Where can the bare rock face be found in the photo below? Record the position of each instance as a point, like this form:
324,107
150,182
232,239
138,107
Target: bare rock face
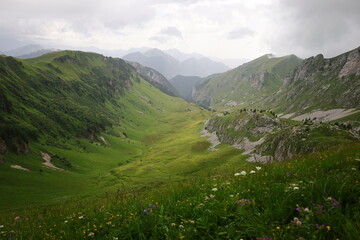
3,147
352,65
155,78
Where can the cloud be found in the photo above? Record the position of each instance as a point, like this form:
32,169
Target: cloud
171,31
209,27
322,26
43,18
240,33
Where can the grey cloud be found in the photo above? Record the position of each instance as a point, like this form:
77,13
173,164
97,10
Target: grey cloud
81,16
240,33
327,26
171,31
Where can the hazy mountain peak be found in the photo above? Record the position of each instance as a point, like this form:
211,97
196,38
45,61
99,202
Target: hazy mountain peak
155,52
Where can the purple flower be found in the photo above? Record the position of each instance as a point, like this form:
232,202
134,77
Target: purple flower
289,174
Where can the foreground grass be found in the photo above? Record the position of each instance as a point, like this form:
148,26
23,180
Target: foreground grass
316,197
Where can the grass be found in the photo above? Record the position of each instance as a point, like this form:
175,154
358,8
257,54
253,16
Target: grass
314,197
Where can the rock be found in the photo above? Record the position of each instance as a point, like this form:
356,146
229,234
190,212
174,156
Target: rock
352,65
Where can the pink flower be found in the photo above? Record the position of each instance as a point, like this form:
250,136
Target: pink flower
17,218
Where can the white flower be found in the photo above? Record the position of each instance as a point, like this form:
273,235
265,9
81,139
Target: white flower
214,189
231,196
65,221
306,210
181,226
296,188
80,217
173,224
212,196
258,168
252,171
206,198
243,173
354,169
1,226
237,174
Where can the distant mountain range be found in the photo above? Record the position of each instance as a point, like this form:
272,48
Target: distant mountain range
171,67
28,51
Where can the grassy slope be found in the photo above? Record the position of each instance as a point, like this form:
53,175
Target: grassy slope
239,84
315,197
163,139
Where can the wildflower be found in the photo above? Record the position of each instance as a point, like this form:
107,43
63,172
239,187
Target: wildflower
211,196
65,221
306,210
206,198
91,234
231,196
297,221
237,174
296,188
328,228
214,189
258,168
173,224
17,218
354,169
243,173
80,217
1,226
182,237
181,226
191,221
252,171
289,174
243,201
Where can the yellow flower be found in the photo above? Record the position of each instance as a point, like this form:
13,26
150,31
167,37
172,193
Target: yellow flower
182,237
328,228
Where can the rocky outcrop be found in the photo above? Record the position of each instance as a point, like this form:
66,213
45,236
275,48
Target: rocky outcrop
155,78
320,83
352,64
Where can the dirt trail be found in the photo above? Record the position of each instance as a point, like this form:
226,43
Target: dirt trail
213,139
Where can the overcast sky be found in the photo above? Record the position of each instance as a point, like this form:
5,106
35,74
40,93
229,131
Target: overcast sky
220,28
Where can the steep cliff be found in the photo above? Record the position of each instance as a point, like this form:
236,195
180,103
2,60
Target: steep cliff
155,78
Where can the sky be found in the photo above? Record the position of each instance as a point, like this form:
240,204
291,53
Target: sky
219,28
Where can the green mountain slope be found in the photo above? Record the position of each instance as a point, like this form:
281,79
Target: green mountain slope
185,84
247,84
87,114
320,83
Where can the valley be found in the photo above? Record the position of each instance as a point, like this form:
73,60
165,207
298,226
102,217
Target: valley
97,147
